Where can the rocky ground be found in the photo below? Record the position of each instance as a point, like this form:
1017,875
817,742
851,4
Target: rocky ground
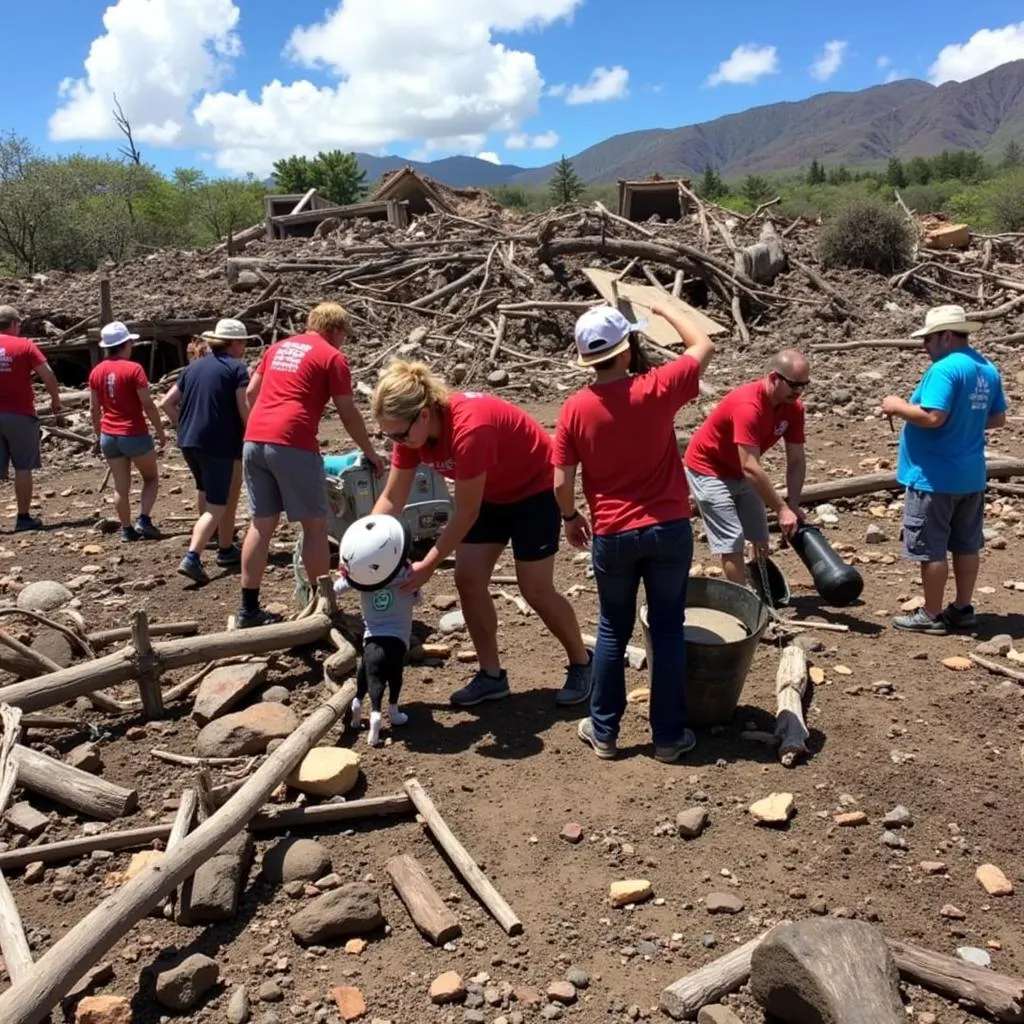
912,784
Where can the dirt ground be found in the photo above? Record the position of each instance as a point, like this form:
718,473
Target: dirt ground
510,775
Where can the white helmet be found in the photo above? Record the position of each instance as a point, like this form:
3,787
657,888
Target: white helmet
373,550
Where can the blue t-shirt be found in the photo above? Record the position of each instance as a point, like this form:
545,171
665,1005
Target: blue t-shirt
951,459
208,417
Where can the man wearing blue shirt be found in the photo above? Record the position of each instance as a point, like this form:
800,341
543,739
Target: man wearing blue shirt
942,466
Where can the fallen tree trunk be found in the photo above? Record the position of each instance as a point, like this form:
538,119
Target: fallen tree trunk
110,636
30,1000
853,486
13,944
790,687
56,687
71,787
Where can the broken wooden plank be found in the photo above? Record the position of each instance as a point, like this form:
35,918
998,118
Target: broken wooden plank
431,915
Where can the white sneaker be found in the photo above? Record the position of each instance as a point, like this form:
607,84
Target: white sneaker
357,714
373,736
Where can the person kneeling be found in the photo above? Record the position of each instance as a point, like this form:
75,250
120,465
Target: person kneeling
374,561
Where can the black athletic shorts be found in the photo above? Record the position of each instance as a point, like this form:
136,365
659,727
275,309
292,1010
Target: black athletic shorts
533,525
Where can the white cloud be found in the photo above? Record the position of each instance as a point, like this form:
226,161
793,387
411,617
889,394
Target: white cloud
429,75
556,90
986,49
491,158
827,63
745,65
604,84
883,62
156,55
520,140
895,76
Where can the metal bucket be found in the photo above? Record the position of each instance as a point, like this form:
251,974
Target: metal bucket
715,673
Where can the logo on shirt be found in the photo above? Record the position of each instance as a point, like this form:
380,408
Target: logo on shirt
981,396
111,382
6,362
382,600
781,427
289,356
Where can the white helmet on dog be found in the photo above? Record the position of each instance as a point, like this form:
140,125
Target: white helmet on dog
373,551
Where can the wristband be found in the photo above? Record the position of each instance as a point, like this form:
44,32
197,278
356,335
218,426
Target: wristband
573,515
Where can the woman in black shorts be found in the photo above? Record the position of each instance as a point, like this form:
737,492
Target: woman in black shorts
500,461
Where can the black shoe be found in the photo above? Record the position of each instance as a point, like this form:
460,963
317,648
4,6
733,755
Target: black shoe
213,544
27,523
128,534
228,557
960,618
260,617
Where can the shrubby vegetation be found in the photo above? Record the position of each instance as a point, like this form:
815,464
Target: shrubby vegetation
866,234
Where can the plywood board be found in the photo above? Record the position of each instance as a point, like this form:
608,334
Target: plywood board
634,301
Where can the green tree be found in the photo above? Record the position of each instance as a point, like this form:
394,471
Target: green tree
816,173
895,174
919,171
711,185
335,175
839,175
565,185
756,189
228,205
1012,156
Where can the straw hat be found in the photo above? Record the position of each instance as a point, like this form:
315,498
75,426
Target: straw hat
226,331
946,318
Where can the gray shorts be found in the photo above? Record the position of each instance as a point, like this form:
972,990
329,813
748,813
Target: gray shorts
281,479
934,524
19,442
731,511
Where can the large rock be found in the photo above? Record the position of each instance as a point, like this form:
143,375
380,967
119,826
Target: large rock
217,883
224,687
352,909
53,645
326,772
181,987
104,1010
44,596
296,860
246,732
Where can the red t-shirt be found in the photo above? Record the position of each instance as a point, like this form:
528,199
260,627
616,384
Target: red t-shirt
744,416
300,376
118,383
623,437
18,358
484,434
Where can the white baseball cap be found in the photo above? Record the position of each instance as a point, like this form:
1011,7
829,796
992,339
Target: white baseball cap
602,333
115,334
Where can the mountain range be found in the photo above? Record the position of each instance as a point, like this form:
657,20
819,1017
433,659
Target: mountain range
907,118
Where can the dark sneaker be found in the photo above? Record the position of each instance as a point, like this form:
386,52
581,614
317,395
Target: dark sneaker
480,688
605,749
921,622
27,523
193,569
128,534
146,530
960,618
227,557
669,755
577,684
260,617
213,544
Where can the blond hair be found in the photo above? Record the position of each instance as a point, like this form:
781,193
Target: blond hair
197,348
328,316
404,389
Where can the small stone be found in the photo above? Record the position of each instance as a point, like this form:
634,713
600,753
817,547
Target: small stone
993,881
35,872
717,1014
352,909
452,622
276,694
973,955
85,757
691,822
103,1010
293,860
444,602
774,809
551,1012
44,596
912,605
527,996
957,663
898,817
999,646
723,903
355,947
497,378
874,534
24,818
634,890
577,977
933,867
447,988
349,1001
326,772
927,1018
894,841
952,913
708,941
563,992
181,987
238,1006
269,992
851,819
572,832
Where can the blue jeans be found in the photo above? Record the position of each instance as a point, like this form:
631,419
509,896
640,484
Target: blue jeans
660,556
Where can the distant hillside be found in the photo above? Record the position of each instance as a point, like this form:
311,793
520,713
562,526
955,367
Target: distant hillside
905,119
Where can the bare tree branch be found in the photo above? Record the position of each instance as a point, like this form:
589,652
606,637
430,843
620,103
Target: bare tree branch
129,152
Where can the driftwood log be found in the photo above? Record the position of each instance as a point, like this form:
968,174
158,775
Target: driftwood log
13,944
431,915
464,863
827,970
790,688
41,988
72,787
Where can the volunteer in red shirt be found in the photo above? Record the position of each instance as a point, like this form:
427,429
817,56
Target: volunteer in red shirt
120,403
500,461
19,425
619,432
723,462
281,461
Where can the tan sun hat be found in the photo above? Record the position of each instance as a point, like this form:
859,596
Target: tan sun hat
946,318
228,330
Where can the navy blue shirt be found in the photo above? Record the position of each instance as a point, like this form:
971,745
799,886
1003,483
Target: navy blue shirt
208,417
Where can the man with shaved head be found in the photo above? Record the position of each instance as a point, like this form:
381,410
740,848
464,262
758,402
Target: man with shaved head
723,462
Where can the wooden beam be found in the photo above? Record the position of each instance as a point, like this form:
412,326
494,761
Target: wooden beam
71,787
431,915
13,944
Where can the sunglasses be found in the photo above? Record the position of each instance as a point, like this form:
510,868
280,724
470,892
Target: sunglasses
402,436
796,385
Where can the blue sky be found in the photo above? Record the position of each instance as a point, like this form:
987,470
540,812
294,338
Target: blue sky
231,85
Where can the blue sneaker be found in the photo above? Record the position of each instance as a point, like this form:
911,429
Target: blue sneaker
578,681
480,688
191,567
